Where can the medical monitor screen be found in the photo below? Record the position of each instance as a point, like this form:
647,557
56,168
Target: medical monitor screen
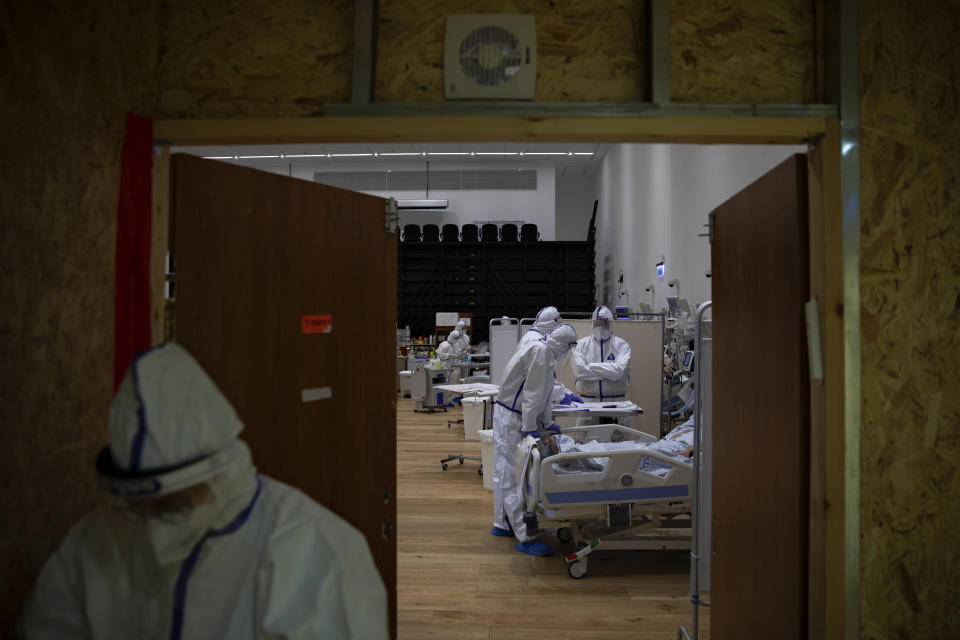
687,359
672,302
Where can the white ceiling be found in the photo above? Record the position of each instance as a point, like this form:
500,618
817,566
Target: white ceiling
561,155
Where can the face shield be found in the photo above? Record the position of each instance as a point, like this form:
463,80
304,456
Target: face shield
171,510
561,340
602,323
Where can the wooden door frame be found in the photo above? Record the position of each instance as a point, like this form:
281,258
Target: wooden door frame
830,602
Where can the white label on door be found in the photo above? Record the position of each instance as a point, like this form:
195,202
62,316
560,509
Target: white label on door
318,393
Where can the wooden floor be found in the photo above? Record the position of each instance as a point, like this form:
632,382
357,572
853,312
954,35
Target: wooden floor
455,580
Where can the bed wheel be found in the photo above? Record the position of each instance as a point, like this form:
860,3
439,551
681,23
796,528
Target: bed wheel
564,534
444,465
577,569
480,472
461,459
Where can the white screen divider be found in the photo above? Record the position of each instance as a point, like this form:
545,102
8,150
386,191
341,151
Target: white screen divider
504,335
646,367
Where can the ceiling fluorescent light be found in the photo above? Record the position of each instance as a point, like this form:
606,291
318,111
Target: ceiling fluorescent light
422,204
217,157
413,153
448,153
306,155
255,157
351,155
583,153
496,153
544,153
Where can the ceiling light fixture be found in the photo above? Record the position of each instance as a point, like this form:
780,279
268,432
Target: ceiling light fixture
306,155
350,155
413,153
255,157
217,157
496,153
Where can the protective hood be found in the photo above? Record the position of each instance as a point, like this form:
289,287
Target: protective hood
602,323
561,340
461,325
547,320
453,336
170,427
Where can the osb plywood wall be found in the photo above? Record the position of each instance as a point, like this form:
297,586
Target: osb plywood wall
743,51
910,263
586,49
68,74
260,59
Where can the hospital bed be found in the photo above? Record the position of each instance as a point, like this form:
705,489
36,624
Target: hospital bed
620,507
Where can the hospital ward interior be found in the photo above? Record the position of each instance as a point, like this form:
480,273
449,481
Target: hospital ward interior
554,374
509,320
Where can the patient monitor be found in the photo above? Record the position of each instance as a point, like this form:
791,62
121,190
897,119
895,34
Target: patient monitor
687,366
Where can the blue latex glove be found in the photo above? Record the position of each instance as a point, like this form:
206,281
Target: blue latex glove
570,399
535,433
554,429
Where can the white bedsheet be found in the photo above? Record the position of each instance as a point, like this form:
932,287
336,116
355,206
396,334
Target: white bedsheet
671,444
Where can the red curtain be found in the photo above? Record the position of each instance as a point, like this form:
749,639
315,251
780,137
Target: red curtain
132,302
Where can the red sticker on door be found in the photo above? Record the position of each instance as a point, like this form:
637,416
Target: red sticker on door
317,324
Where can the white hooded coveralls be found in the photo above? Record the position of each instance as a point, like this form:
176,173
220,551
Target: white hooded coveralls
602,365
523,404
546,321
267,562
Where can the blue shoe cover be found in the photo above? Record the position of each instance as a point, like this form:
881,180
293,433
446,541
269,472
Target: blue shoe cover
456,401
497,531
534,548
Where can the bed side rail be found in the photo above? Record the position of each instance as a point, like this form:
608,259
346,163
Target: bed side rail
621,480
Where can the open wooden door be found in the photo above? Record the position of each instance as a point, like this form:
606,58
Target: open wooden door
761,409
286,294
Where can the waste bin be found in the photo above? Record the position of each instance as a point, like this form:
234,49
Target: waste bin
473,409
486,453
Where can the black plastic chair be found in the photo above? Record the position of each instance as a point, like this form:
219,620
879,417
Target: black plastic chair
451,233
469,233
529,233
431,233
411,233
489,233
508,233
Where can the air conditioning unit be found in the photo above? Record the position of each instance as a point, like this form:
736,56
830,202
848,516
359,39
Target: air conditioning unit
492,56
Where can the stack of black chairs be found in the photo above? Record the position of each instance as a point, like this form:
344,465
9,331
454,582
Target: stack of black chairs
450,233
411,233
470,233
509,233
431,233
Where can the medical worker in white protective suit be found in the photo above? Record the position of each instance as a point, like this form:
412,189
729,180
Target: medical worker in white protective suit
194,543
601,362
523,408
447,354
463,345
546,321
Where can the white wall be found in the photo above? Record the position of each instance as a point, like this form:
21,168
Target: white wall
654,200
466,207
575,196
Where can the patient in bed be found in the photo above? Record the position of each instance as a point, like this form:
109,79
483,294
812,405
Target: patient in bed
678,443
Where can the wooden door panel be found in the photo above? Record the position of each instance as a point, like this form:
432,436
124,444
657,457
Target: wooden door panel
761,408
257,253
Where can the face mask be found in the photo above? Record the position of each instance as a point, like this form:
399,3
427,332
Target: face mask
601,333
173,536
563,359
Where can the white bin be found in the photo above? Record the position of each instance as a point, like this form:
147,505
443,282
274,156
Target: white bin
473,409
486,453
405,383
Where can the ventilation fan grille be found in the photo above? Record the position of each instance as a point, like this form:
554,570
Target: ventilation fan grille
490,56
